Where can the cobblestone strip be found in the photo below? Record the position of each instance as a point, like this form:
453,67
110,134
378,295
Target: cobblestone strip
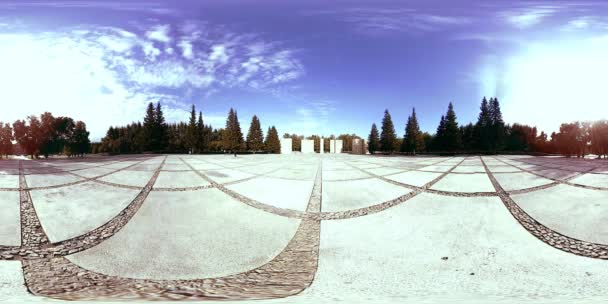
385,205
560,166
44,249
84,179
427,186
556,181
33,237
417,165
248,201
545,234
32,234
44,167
183,188
289,273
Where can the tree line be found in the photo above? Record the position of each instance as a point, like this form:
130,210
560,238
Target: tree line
45,135
193,136
489,134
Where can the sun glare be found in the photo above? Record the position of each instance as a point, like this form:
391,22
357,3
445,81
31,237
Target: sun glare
557,82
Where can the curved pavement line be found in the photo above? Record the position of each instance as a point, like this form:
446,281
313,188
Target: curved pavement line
107,230
64,171
561,167
336,215
33,236
29,221
565,181
83,178
288,273
545,234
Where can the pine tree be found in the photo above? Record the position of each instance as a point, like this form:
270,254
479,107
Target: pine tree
233,137
452,133
439,139
200,134
149,125
413,140
373,141
272,143
255,137
482,128
160,127
497,125
192,131
388,138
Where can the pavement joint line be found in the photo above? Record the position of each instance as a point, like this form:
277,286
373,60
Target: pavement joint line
560,166
43,248
565,181
287,274
544,233
83,179
65,171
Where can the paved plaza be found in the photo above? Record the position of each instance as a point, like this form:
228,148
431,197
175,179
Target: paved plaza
303,228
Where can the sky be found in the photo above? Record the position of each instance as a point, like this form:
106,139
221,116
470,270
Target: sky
307,67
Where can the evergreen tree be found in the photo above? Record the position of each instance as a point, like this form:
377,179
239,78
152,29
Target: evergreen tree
149,127
467,134
439,139
255,137
388,138
272,143
373,141
413,140
192,131
483,126
200,134
452,133
160,127
497,125
233,137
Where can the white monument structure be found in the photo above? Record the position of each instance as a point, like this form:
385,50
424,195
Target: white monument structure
322,145
358,146
286,146
308,146
335,146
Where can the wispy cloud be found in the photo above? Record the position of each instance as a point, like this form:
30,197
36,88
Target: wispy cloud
148,6
586,23
159,33
108,74
527,17
379,20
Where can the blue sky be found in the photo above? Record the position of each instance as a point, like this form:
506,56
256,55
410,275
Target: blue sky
308,67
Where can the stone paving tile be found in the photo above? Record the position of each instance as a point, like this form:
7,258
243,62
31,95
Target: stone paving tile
38,253
10,225
464,183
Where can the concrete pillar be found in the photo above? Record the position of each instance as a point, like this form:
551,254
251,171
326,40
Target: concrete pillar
358,146
335,146
322,146
286,145
308,146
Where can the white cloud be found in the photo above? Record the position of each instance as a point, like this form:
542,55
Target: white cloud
379,20
186,47
159,33
587,23
218,54
106,76
527,18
